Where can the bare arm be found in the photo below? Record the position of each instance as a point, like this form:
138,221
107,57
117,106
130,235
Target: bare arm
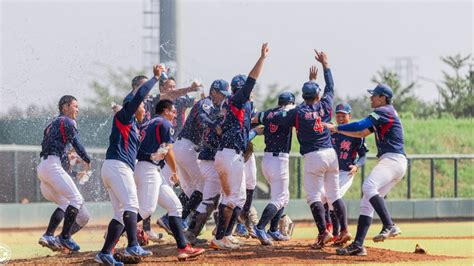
173,95
169,159
257,69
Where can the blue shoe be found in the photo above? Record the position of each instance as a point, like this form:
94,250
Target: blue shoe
69,243
241,231
164,223
262,236
137,251
107,259
185,224
277,236
50,242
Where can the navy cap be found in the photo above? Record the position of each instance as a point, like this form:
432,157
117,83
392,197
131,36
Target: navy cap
382,89
343,108
221,86
238,82
286,97
310,89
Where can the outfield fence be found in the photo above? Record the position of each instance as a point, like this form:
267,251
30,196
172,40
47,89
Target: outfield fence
19,182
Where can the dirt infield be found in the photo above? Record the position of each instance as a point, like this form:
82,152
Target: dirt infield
292,252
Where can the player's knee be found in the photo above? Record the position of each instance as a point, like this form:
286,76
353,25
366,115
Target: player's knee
145,213
82,217
369,189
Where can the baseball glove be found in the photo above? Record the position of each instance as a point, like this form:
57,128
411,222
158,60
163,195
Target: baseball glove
248,152
420,250
127,260
286,225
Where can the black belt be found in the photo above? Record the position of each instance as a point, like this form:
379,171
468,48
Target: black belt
277,154
236,150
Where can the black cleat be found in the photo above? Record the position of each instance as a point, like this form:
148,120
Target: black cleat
352,250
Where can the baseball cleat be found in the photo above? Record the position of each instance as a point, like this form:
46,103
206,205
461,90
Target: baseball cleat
136,251
50,242
193,240
69,243
222,244
154,236
352,250
232,240
189,252
242,231
262,236
322,240
185,224
329,227
163,222
342,238
277,236
391,231
107,259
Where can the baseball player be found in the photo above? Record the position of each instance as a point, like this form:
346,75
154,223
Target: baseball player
151,188
209,116
117,174
351,155
56,184
320,159
390,169
229,160
275,168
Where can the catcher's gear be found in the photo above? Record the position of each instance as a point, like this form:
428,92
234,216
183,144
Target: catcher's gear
286,225
142,237
127,259
248,151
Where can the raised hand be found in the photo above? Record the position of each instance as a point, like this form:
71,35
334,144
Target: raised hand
313,73
157,69
264,52
322,58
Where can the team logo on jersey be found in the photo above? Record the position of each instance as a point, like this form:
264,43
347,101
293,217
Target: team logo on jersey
206,107
345,145
171,131
273,128
142,135
375,115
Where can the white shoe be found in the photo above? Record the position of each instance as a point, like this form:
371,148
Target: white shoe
154,236
232,240
223,244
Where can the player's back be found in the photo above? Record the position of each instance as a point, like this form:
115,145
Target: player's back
55,137
192,129
310,132
388,130
277,137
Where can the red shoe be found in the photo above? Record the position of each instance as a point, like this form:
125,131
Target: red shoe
329,227
189,252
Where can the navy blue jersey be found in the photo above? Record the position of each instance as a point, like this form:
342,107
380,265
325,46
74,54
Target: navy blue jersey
152,134
198,115
307,119
388,130
124,137
210,139
277,138
347,149
182,103
60,132
235,126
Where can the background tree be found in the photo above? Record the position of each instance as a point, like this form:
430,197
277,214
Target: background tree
456,89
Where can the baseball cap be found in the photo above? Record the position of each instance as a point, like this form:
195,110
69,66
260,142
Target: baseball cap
343,108
382,89
238,82
310,89
221,86
286,97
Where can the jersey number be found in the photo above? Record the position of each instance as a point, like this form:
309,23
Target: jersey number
317,125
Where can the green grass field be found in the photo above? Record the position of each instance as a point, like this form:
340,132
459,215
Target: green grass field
24,243
434,136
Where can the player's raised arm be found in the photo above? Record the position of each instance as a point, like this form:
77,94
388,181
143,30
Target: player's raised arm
132,106
243,95
172,95
322,58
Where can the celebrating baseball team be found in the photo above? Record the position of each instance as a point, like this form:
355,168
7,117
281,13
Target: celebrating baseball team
202,164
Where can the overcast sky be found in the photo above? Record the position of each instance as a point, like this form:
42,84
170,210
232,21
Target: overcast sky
52,48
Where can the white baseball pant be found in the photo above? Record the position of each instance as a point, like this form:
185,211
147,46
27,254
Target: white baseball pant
153,190
166,173
321,177
345,182
212,184
50,194
230,167
56,182
275,170
389,170
188,168
118,180
250,172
